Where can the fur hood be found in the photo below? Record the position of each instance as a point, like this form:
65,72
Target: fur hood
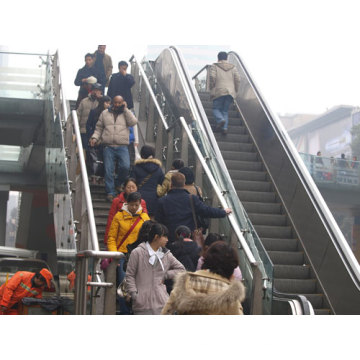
204,292
148,161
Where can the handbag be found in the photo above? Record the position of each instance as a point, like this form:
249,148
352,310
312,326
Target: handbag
197,234
106,262
203,222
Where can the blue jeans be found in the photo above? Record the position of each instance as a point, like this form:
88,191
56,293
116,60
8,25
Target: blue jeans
124,310
120,154
221,109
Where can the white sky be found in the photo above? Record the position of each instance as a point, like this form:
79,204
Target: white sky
303,55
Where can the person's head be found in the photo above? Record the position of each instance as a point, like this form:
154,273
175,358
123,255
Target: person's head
354,158
177,180
189,175
104,102
177,164
117,103
221,259
144,231
343,156
222,55
133,202
96,90
89,59
182,232
211,238
129,186
123,65
158,235
318,153
147,152
101,49
43,278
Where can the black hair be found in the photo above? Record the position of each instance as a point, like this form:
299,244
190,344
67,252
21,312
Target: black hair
143,235
147,151
135,196
221,259
89,55
222,55
157,229
100,108
211,238
189,175
182,232
178,164
122,63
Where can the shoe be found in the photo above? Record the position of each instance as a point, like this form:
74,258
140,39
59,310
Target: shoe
110,198
219,125
224,131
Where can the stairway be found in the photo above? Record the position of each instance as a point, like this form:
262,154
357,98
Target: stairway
292,272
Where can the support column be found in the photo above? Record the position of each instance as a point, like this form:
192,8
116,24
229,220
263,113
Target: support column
4,197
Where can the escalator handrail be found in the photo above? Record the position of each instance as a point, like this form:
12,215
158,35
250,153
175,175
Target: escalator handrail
305,304
337,237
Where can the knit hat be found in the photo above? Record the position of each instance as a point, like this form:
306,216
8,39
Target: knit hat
147,152
47,275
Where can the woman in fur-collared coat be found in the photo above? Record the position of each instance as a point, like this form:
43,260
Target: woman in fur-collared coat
210,291
148,175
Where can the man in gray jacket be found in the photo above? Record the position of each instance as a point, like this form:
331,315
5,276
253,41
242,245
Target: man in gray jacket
224,84
112,130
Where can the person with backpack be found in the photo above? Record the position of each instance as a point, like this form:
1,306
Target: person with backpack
150,264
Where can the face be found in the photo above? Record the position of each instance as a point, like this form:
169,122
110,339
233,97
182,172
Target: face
101,49
160,241
39,283
97,93
130,188
89,61
133,206
122,68
107,104
117,102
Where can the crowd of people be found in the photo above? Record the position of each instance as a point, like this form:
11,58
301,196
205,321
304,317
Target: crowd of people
154,216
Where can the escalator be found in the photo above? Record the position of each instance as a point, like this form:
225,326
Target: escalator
308,253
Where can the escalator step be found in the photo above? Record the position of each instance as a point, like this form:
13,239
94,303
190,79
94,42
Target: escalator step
234,146
243,165
295,286
240,156
291,271
322,311
261,186
261,208
256,196
280,244
230,137
286,257
248,175
281,232
317,300
267,219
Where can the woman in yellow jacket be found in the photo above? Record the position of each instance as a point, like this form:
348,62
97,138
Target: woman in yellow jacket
124,231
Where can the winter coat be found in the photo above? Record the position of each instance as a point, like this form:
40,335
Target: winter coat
17,288
121,85
164,188
114,132
83,111
84,73
224,80
187,252
145,282
116,206
174,209
142,169
108,66
120,225
205,293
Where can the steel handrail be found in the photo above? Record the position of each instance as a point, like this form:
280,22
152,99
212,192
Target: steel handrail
89,206
21,53
219,194
338,238
199,72
146,80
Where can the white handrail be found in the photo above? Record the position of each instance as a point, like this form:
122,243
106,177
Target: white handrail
219,194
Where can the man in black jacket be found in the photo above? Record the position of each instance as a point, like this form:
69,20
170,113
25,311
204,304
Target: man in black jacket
175,209
83,75
121,84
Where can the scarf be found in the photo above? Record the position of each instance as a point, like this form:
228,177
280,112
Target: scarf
153,255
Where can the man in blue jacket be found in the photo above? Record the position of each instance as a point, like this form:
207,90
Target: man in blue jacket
175,209
121,84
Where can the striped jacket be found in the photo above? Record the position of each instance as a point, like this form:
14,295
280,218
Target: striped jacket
17,288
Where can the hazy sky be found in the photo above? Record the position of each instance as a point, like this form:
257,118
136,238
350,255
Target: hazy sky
303,55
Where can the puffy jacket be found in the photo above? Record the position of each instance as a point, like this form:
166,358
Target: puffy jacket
148,191
113,129
83,111
145,282
205,293
18,287
116,206
121,224
224,80
121,85
165,187
174,209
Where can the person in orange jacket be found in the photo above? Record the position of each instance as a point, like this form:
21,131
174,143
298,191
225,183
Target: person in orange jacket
72,276
23,284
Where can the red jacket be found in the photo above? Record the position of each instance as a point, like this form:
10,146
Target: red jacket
17,288
116,206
